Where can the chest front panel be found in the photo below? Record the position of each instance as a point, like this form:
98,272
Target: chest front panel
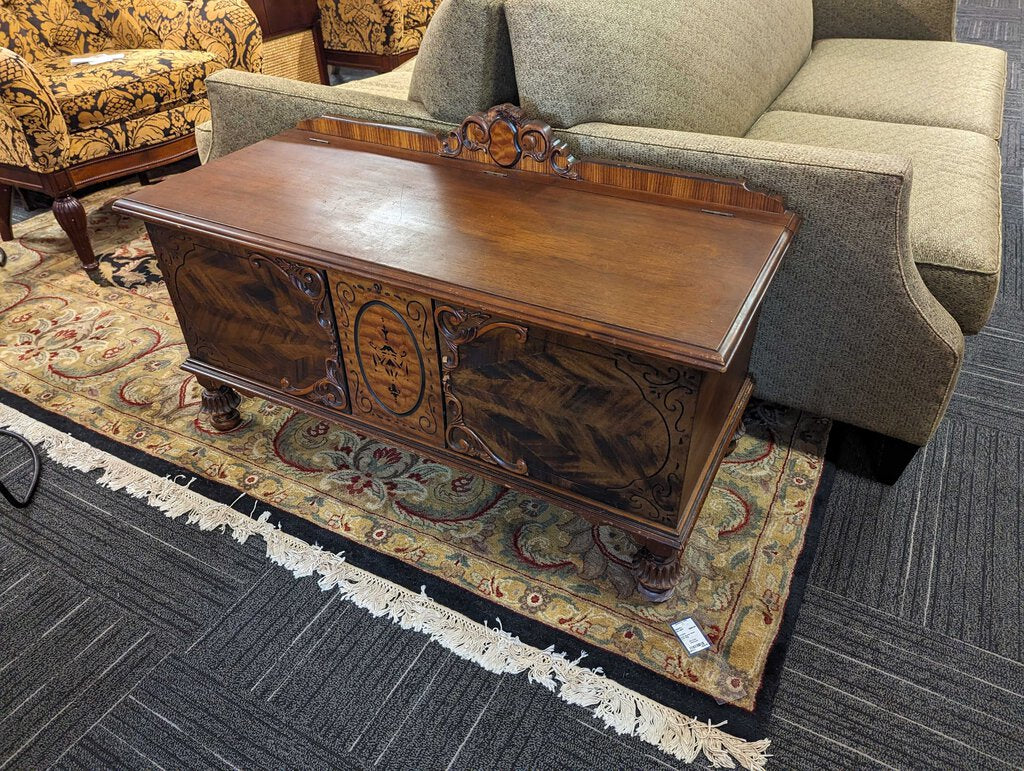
390,352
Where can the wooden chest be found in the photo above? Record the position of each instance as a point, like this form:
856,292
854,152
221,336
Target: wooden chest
577,330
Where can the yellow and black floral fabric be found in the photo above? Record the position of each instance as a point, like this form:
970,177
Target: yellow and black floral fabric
146,81
375,26
54,114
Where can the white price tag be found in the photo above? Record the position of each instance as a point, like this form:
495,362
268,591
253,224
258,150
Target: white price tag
691,636
97,59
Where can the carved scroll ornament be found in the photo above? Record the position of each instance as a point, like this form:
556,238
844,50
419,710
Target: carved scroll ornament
506,135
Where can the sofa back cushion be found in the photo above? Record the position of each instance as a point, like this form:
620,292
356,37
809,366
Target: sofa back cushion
21,35
465,60
705,66
43,29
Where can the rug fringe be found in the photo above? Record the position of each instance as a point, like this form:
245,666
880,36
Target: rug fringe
619,708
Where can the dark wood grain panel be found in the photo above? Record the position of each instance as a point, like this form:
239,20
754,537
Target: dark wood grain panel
605,423
256,314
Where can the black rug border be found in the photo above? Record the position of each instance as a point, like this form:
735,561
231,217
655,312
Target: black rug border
751,725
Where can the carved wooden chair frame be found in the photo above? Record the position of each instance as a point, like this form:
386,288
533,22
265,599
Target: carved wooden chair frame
62,185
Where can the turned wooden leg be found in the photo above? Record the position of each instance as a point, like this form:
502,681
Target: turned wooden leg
6,192
657,568
220,402
71,215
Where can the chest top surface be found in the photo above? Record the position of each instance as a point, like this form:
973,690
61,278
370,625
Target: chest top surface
499,215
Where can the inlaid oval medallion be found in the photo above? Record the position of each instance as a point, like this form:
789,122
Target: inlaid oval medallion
389,358
504,144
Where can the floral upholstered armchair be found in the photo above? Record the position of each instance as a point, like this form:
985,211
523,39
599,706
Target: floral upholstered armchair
374,34
65,124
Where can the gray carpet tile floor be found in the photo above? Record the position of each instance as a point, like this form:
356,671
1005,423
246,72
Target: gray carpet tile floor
127,640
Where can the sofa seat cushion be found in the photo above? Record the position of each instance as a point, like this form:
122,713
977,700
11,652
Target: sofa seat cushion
393,85
146,81
955,208
704,66
924,82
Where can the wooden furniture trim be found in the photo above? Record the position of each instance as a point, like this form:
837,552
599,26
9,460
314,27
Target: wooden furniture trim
361,60
321,56
715,194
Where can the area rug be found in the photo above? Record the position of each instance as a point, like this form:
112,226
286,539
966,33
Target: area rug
103,353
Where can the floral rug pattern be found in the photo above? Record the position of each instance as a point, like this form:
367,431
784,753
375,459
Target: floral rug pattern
104,352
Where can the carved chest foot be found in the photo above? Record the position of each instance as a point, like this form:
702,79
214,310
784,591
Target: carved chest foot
221,402
657,569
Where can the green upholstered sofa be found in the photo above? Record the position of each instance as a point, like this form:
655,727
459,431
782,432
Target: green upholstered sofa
889,148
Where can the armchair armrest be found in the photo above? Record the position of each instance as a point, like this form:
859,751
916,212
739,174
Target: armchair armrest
229,30
848,329
892,19
31,119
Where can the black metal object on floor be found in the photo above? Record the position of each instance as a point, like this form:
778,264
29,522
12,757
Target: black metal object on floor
37,471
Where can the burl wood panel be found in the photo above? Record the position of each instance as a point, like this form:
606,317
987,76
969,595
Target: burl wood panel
390,353
260,316
602,422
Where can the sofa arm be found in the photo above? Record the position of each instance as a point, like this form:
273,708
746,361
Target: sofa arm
891,19
32,121
848,329
246,108
229,30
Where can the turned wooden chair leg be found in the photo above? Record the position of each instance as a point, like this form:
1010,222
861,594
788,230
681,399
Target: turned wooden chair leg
70,215
6,192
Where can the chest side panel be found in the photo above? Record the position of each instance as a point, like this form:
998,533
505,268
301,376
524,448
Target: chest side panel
255,315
